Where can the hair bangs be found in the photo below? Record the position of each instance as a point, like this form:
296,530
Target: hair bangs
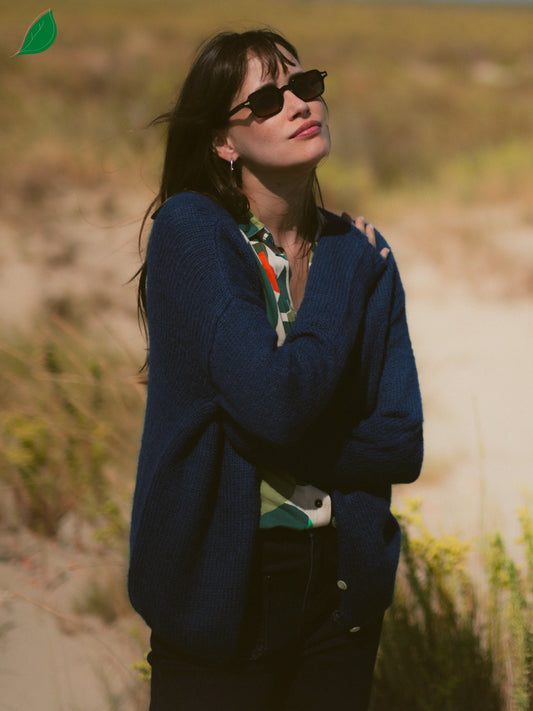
272,58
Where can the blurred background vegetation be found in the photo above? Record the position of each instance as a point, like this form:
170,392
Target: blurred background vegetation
428,103
418,93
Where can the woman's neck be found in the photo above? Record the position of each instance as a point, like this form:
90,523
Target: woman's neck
279,204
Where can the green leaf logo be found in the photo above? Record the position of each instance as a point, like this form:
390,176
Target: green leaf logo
40,36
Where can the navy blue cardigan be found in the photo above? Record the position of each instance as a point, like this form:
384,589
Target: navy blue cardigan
338,404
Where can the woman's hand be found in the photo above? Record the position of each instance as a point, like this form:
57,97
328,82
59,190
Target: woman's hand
367,229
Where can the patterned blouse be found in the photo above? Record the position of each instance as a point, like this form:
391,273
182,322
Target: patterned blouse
283,501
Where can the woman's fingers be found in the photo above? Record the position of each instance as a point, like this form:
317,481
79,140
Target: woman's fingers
360,223
368,230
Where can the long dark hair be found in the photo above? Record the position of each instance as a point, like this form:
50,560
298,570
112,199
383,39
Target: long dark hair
201,110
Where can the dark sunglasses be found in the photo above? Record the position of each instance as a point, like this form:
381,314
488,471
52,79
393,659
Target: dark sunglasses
268,100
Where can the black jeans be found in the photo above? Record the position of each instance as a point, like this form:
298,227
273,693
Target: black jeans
295,655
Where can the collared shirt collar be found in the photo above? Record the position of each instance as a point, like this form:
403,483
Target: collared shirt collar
254,229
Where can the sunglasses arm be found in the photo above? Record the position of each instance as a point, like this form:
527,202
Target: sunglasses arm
238,108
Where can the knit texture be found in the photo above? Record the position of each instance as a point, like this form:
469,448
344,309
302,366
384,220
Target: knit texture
337,403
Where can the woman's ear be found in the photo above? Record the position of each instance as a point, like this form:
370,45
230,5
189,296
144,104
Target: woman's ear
223,147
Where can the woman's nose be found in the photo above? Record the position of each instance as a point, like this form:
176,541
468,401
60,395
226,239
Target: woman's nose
295,105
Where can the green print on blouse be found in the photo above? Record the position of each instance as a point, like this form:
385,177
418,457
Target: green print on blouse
276,509
280,494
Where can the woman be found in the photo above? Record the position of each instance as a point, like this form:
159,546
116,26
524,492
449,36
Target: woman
263,550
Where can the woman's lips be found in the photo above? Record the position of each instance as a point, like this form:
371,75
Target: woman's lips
307,129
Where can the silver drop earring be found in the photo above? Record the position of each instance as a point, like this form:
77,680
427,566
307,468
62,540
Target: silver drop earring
231,165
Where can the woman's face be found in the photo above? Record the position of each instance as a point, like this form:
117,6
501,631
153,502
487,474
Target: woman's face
295,138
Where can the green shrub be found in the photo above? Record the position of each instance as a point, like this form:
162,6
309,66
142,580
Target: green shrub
69,427
445,645
432,654
510,613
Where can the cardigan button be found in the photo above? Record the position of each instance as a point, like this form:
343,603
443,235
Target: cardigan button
342,585
354,629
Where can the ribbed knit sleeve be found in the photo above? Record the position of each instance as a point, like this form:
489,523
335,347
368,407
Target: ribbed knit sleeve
384,445
202,281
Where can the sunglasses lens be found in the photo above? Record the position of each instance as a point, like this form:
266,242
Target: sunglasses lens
266,102
309,85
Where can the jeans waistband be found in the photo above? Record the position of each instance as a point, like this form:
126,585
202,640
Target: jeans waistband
282,533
